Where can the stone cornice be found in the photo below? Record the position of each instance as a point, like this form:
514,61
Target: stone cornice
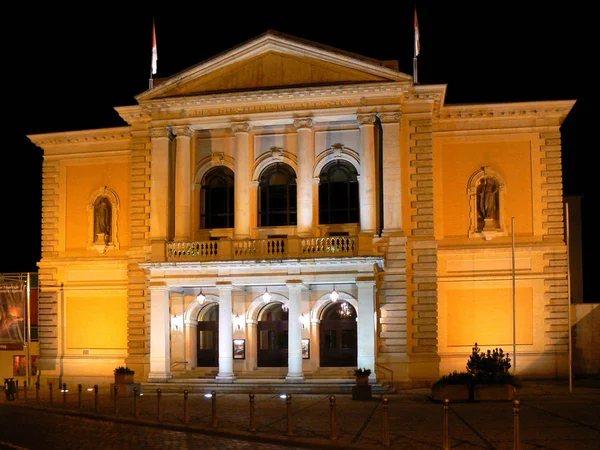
559,109
100,136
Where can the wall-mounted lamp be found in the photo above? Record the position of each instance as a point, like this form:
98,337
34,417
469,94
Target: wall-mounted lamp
200,297
266,296
304,320
334,295
238,321
284,307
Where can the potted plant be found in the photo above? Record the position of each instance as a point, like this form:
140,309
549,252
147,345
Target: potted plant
362,375
455,387
123,375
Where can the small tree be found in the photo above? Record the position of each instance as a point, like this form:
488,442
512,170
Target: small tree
489,367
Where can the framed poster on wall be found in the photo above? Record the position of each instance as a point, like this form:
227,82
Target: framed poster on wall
239,349
305,348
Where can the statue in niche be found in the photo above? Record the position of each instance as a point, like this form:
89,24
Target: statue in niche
102,220
487,201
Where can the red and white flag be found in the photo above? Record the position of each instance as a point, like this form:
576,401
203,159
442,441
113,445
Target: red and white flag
417,42
154,52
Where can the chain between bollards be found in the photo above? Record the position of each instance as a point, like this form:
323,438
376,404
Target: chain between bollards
386,422
252,418
333,426
64,392
186,411
116,404
213,399
159,415
95,398
516,439
288,404
136,406
446,440
79,389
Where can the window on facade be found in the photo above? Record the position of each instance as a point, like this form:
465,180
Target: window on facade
217,199
20,365
277,196
338,193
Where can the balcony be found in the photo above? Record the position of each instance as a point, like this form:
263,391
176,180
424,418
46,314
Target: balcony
274,248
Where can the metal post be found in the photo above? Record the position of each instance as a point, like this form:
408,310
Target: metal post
288,404
252,418
213,399
186,412
136,406
158,410
386,422
115,396
446,440
50,392
37,391
17,389
333,435
64,392
516,439
79,389
95,398
25,391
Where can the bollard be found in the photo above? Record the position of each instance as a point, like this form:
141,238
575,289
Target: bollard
116,404
446,443
96,398
158,410
79,390
17,389
186,413
333,434
25,390
64,392
50,392
252,418
213,400
288,404
136,406
516,439
37,391
386,422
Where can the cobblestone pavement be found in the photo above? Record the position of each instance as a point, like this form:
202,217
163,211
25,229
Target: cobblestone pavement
550,416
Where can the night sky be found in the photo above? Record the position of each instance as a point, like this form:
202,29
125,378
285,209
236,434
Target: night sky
69,68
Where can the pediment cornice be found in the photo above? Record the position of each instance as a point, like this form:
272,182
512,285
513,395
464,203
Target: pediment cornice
99,136
558,109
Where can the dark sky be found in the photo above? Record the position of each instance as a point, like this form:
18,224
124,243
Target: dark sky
69,68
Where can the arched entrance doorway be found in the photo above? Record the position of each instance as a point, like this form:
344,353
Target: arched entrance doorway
272,339
337,335
208,336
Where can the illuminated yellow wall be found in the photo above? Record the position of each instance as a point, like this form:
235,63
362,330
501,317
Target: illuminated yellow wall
459,160
81,182
485,316
96,322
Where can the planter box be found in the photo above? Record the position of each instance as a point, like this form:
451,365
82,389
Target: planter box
123,378
493,392
452,392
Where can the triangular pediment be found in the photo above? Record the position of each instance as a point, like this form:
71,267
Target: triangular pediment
274,61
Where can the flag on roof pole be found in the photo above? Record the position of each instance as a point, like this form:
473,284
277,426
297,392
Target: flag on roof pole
417,48
154,52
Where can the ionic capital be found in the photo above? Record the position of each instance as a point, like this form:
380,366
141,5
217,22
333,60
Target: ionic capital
182,131
366,119
240,127
156,133
304,122
390,117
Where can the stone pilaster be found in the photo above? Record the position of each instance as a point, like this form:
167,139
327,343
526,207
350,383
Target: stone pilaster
392,177
365,327
306,159
367,185
183,183
160,352
159,185
242,179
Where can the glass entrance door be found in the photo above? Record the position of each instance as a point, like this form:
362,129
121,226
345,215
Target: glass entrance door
338,339
208,337
273,336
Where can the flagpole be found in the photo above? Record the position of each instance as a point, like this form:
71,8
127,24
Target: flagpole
417,48
514,299
154,63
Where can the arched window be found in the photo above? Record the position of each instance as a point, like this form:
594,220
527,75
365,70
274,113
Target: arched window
277,196
217,199
338,193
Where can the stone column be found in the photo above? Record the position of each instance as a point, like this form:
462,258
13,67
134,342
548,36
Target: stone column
392,179
160,354
225,334
183,183
367,185
306,160
242,179
294,332
366,325
159,185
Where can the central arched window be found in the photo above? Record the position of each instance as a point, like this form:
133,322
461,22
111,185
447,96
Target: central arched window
338,193
277,196
217,199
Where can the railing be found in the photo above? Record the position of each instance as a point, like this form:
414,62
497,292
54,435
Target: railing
292,247
386,371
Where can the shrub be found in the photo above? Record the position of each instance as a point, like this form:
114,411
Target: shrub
359,372
124,370
489,367
456,378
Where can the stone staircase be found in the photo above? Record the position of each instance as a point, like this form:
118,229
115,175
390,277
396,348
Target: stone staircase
270,380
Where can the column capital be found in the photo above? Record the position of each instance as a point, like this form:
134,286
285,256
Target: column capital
159,133
304,122
182,131
366,119
295,284
224,285
391,117
240,127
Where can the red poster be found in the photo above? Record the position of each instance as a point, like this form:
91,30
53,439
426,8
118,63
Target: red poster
12,321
